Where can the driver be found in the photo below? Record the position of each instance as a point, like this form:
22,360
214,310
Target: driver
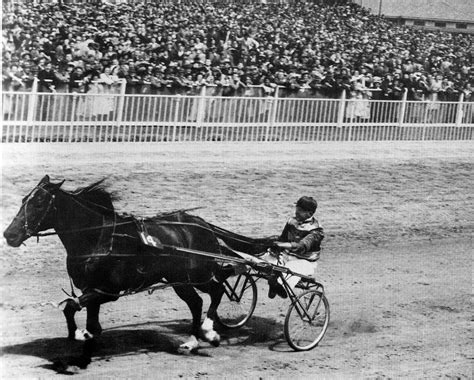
301,243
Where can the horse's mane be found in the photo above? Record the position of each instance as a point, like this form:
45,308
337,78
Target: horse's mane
176,215
96,193
183,211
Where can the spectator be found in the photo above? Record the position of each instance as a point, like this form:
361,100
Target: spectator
323,47
48,80
77,82
13,78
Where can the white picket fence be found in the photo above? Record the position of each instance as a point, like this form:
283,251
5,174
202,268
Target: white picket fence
73,117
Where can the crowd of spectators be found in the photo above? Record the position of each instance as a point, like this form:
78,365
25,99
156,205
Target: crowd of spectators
303,47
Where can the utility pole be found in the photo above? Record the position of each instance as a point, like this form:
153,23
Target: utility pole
380,7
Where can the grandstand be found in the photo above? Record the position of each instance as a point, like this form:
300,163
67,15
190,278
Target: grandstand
299,45
455,16
273,50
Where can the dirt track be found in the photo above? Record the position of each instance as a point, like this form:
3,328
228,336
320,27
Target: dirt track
397,263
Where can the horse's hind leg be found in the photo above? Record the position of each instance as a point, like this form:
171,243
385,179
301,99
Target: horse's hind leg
93,326
215,291
194,302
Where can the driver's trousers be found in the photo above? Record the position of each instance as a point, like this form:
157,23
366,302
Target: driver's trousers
295,264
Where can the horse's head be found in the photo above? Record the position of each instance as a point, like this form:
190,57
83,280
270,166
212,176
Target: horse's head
36,213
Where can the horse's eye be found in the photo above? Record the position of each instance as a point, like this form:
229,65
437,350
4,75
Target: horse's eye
37,202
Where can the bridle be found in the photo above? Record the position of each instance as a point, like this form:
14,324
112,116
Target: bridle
33,231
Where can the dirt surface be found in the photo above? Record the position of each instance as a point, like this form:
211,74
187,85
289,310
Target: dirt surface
397,260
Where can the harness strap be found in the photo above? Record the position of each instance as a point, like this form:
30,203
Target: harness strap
111,246
135,220
165,223
41,234
150,289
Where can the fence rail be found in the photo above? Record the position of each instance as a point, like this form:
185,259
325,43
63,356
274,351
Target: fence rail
66,117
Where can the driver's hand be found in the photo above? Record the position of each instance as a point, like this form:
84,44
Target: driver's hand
282,245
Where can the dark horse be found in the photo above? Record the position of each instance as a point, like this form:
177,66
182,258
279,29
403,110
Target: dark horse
107,256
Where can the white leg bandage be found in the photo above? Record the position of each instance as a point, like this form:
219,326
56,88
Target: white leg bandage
82,335
207,328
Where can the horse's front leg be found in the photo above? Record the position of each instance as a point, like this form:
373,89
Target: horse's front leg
70,310
93,326
92,302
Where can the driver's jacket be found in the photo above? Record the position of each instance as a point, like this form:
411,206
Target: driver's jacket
305,238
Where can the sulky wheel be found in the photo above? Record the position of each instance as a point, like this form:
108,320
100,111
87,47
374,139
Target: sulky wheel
307,320
238,301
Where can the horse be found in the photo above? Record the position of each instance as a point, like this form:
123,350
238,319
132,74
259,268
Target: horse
107,256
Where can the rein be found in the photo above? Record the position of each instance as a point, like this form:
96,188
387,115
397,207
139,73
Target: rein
41,234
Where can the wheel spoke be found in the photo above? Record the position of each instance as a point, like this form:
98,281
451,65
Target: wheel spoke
238,301
230,289
303,305
307,320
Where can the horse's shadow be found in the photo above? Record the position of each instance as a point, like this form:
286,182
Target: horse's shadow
149,337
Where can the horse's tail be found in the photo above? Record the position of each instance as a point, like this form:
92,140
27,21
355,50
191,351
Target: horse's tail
252,246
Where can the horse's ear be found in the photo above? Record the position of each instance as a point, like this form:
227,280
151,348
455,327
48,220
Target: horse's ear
58,185
44,180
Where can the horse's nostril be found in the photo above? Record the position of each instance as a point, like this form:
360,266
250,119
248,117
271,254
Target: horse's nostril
9,236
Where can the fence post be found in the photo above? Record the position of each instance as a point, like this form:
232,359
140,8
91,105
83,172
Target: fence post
403,107
401,114
121,101
272,115
176,114
34,101
201,107
340,114
459,113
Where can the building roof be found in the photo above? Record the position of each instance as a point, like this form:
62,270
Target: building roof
452,10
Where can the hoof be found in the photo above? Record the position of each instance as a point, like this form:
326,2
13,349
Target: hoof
82,335
210,335
216,343
189,347
213,338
